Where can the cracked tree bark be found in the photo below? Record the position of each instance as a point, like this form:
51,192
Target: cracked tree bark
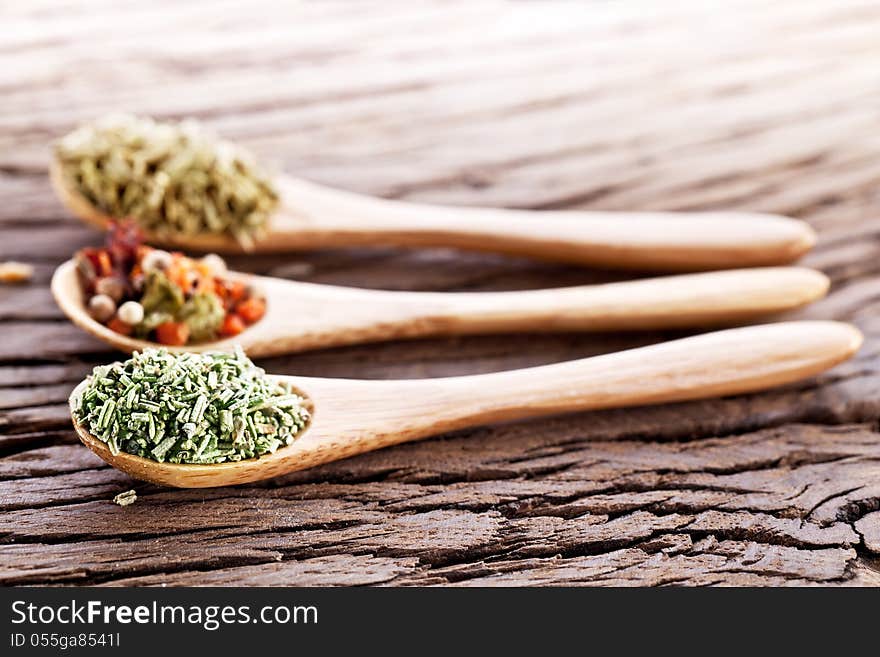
595,106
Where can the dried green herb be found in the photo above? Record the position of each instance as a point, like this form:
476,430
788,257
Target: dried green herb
190,408
126,498
163,301
203,314
161,295
174,178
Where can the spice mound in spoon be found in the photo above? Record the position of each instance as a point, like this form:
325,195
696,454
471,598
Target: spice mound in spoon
164,297
190,408
174,178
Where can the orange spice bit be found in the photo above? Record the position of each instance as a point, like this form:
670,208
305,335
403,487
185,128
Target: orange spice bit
230,292
232,325
105,265
251,309
119,326
174,334
205,279
178,272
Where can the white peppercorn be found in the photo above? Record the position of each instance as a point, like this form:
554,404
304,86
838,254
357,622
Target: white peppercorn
131,312
110,286
156,260
216,264
102,308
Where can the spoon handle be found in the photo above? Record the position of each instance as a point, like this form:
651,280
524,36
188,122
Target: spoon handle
304,316
710,365
314,216
365,415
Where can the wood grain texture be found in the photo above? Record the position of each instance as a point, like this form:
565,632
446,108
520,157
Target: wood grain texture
747,107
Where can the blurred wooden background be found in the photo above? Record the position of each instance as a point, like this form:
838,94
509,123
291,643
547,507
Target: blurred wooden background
625,105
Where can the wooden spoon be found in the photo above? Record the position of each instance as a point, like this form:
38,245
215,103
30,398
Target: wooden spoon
303,316
351,417
313,216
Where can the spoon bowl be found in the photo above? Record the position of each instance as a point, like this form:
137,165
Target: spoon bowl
302,316
313,216
86,212
350,417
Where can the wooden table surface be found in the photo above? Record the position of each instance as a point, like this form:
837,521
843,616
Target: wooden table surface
751,105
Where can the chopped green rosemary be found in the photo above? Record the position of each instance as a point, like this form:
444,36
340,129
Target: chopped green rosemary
190,408
173,178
